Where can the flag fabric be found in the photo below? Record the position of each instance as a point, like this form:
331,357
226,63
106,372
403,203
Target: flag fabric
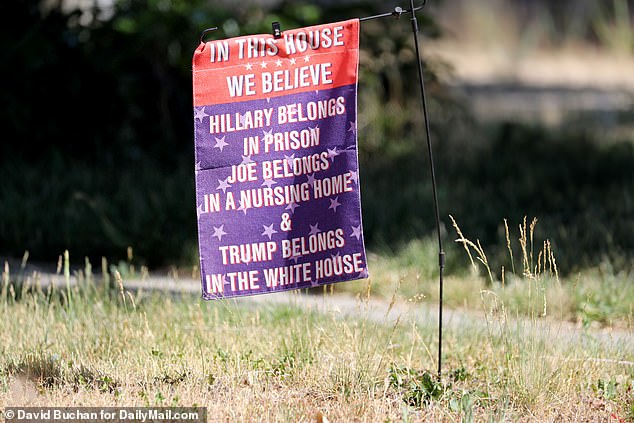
276,166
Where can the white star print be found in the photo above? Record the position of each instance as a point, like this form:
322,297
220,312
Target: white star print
356,232
314,229
219,232
220,143
200,114
332,153
268,183
243,207
334,204
223,185
292,206
268,231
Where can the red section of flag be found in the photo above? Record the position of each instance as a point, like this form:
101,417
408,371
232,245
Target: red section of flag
260,66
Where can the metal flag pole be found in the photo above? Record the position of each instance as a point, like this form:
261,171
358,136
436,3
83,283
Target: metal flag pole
441,254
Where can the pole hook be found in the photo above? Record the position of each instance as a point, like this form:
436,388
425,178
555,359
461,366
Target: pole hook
205,32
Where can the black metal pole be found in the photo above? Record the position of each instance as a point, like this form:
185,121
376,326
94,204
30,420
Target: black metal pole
441,253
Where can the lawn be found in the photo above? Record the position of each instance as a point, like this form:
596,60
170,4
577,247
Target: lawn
507,353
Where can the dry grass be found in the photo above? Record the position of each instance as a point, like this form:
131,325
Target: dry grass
307,358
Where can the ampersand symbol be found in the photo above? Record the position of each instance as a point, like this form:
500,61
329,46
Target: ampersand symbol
285,225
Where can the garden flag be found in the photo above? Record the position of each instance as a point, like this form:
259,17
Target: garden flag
277,182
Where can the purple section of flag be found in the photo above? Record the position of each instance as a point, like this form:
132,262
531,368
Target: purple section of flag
277,193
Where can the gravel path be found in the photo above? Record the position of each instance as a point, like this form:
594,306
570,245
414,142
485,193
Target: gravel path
380,310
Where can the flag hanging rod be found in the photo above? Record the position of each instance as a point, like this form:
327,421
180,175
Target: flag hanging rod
277,32
397,12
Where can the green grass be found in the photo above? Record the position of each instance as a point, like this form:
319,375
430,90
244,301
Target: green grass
96,345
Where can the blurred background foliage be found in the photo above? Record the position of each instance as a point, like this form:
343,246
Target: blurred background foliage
97,143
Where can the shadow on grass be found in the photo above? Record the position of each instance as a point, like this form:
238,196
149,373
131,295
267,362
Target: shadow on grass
581,191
